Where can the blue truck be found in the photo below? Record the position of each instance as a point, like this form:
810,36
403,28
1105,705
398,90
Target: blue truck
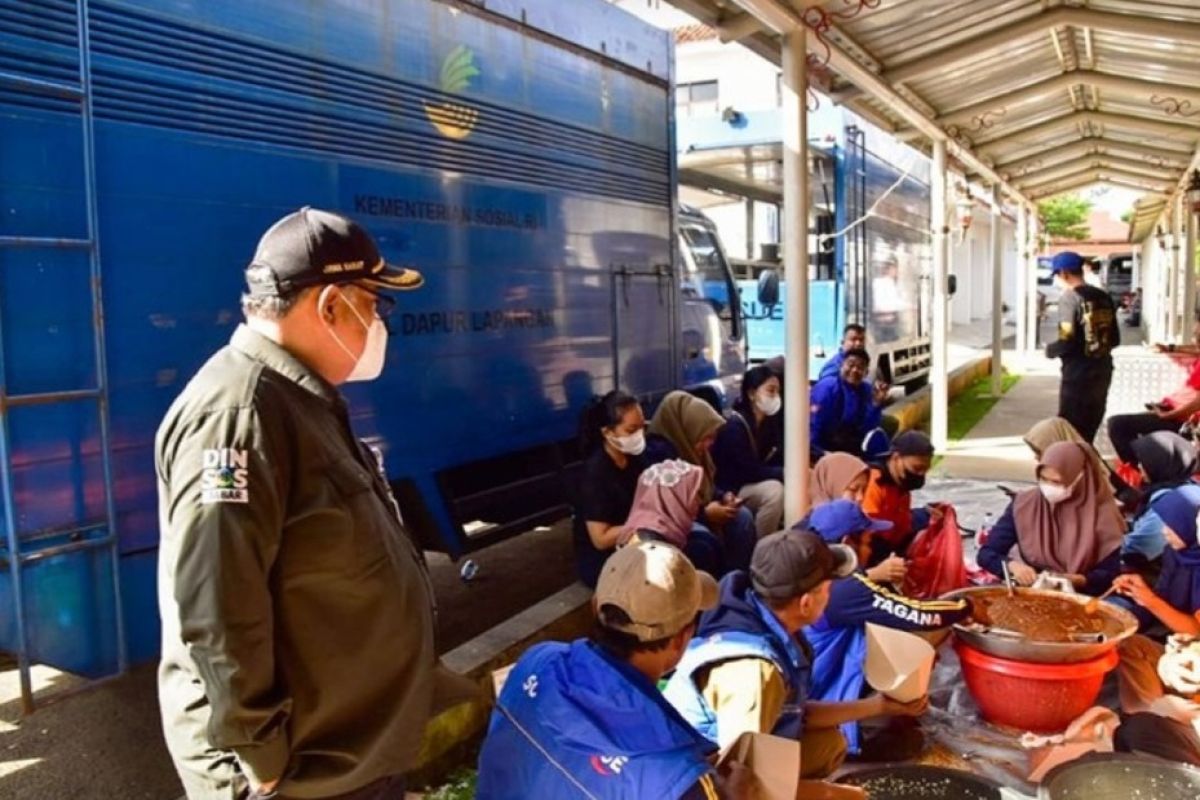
520,154
876,273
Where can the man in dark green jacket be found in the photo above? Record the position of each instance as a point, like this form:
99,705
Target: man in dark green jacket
298,653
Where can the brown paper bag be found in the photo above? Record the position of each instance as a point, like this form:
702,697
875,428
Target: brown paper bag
774,761
898,664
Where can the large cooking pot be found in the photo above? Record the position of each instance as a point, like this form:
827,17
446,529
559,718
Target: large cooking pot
918,782
1119,625
1112,776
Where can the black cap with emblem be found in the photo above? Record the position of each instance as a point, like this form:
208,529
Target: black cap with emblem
311,247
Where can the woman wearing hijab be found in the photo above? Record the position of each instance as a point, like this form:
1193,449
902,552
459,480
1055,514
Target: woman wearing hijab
746,447
838,476
684,426
665,508
1167,461
1068,524
1056,429
1174,602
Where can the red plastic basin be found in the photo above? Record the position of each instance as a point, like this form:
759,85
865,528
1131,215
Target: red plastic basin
1044,698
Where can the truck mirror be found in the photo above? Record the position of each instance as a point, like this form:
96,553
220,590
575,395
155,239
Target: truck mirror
951,284
768,288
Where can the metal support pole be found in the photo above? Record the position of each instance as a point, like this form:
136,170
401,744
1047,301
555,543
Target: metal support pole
997,292
1022,277
1189,271
749,228
939,426
795,271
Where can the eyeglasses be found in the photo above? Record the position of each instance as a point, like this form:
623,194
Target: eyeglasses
384,304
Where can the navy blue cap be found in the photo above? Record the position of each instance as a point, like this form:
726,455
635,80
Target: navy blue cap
838,519
1066,261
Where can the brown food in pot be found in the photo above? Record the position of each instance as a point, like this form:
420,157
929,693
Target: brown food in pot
1038,617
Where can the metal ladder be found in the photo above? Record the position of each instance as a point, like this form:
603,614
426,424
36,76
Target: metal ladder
20,549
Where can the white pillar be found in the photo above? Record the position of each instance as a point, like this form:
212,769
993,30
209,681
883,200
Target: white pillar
795,268
1031,297
1022,268
997,291
1189,271
939,425
1176,251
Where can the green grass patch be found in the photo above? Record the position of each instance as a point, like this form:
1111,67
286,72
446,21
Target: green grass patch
460,786
971,406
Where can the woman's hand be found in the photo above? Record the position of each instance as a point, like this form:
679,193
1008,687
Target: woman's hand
1134,587
719,514
1022,574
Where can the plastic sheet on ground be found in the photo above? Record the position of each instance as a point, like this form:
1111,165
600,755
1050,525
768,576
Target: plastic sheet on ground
954,728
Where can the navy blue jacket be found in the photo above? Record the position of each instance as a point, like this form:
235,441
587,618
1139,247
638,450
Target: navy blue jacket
1004,535
743,450
838,405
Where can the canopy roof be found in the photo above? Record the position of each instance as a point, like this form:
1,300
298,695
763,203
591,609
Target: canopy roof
1040,96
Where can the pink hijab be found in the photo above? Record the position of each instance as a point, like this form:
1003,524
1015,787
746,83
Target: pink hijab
832,475
1078,533
665,501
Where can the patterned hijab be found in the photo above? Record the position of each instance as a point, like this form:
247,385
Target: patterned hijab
665,502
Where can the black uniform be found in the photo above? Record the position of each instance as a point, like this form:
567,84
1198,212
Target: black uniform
1087,335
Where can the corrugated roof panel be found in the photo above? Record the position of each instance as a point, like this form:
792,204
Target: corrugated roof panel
902,30
1187,10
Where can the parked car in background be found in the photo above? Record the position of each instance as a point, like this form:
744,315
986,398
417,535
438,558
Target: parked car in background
1047,289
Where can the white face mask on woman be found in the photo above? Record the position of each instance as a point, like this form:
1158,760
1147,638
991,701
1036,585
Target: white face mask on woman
369,364
768,404
1053,492
632,445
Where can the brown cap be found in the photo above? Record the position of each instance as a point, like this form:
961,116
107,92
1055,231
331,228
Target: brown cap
657,588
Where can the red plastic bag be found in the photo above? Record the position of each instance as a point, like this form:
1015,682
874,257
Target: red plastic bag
935,559
1130,474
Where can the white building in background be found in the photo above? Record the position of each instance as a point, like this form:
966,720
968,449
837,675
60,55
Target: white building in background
711,76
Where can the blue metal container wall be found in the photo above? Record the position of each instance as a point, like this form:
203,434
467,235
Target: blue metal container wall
504,165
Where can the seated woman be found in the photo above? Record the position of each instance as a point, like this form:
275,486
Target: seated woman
1056,429
665,508
612,438
684,426
747,444
1167,461
1067,524
838,476
838,638
1174,602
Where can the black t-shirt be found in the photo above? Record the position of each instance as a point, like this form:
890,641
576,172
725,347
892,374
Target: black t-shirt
1087,332
605,494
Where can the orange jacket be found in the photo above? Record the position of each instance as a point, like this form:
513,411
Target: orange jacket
885,500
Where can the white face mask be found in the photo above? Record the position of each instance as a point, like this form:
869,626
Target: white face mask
1053,493
369,364
632,445
768,404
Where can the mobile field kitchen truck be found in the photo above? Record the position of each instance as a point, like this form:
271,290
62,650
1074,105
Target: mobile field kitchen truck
519,153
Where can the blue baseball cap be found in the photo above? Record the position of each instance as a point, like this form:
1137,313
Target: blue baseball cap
1066,261
838,519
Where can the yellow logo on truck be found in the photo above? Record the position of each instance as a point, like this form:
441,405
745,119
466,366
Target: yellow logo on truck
454,120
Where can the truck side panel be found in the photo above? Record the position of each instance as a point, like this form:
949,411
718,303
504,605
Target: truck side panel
517,169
